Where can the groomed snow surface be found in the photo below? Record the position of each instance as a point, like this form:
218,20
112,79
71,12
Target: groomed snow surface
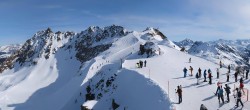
56,83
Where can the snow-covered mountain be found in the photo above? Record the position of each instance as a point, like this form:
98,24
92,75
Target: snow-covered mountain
235,52
55,64
7,50
99,66
186,43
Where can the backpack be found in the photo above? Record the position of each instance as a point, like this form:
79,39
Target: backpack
239,94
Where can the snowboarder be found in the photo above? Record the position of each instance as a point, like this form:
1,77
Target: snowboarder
247,72
227,90
197,77
145,63
220,95
218,72
239,98
185,71
228,68
203,107
205,75
189,60
199,70
191,70
210,76
179,91
228,76
220,64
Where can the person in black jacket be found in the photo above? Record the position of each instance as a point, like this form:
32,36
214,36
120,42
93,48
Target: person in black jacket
210,76
229,68
239,94
227,90
179,91
236,76
199,70
247,72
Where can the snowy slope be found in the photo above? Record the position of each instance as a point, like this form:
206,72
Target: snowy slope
169,68
52,71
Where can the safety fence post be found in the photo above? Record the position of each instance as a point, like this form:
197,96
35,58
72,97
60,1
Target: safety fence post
168,89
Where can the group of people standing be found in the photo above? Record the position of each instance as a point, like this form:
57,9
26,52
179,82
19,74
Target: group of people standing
199,74
140,64
220,91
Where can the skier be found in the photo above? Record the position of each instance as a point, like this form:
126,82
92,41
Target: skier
199,70
218,72
210,76
189,60
236,76
227,90
141,64
197,77
239,98
209,71
242,85
220,64
145,63
191,70
228,68
185,71
137,65
179,91
247,72
241,80
220,95
218,88
228,76
205,76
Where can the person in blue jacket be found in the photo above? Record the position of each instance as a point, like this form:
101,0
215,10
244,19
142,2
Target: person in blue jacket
185,71
205,75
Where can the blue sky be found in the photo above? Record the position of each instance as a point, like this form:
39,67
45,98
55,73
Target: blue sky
177,19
